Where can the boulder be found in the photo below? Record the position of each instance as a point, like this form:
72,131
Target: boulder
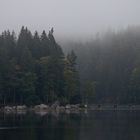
68,106
41,107
8,109
55,105
75,106
21,107
60,108
14,107
85,105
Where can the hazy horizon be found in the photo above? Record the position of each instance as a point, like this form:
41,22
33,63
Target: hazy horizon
70,19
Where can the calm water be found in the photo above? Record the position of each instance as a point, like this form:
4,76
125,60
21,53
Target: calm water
94,125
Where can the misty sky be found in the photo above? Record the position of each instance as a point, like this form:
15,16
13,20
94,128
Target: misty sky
69,17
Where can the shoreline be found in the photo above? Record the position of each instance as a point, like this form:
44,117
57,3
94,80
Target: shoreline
67,108
43,108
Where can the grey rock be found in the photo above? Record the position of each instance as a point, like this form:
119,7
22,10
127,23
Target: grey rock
8,109
21,107
68,106
41,107
55,105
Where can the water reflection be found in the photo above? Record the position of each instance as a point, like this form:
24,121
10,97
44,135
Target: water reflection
94,125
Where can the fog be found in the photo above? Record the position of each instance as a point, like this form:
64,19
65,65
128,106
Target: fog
70,18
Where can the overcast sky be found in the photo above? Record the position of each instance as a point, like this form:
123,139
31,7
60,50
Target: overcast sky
69,17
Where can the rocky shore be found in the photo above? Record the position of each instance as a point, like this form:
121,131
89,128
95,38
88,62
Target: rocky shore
43,108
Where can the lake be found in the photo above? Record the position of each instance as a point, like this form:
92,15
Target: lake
88,125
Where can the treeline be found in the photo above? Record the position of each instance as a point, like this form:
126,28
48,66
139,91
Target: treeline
34,70
110,67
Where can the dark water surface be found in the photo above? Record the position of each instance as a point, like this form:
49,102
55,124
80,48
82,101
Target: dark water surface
92,125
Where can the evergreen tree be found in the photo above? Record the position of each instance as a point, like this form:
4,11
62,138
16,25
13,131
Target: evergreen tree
36,47
134,95
72,79
33,70
45,46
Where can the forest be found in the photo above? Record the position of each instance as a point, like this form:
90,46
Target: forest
35,69
109,66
